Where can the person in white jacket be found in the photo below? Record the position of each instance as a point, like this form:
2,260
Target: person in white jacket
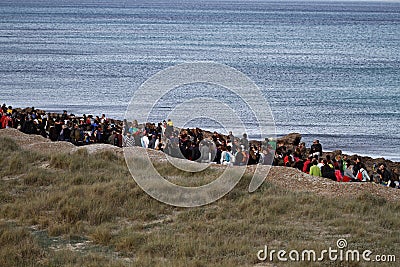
145,140
227,158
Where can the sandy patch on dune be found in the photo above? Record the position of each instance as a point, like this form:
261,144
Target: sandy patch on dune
289,178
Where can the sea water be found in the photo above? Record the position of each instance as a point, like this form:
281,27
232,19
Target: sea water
329,70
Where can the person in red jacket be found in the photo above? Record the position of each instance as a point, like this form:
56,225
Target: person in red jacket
307,164
5,121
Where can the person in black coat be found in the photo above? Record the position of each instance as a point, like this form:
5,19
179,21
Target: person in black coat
316,148
386,176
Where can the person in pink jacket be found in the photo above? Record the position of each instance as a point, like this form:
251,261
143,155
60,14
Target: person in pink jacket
338,174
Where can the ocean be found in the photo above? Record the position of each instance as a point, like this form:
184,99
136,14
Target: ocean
329,70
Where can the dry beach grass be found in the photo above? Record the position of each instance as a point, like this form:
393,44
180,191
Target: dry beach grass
60,205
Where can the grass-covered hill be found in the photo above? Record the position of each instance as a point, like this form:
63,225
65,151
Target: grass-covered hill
62,206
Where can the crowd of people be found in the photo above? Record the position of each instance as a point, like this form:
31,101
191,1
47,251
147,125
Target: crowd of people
338,168
193,144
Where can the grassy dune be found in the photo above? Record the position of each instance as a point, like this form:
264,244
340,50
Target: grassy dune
86,210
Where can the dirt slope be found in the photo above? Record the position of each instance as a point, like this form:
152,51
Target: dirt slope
292,179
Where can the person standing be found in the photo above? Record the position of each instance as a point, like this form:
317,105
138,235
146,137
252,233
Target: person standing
244,142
